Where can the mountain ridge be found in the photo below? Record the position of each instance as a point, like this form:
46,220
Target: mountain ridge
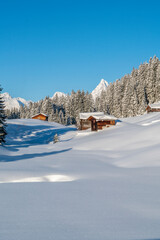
11,103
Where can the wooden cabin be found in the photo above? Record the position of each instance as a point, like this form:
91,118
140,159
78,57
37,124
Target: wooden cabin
96,121
155,107
40,116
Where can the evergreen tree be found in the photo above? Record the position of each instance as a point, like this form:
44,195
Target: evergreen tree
2,120
126,97
56,139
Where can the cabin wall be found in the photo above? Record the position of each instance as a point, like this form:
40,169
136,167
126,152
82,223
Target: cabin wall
85,124
40,117
102,124
153,110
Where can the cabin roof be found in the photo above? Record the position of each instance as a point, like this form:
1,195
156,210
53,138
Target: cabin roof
40,114
155,105
86,115
97,115
104,117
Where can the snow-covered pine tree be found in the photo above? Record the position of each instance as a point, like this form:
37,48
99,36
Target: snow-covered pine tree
110,98
102,102
2,120
22,112
97,104
55,138
141,85
157,91
67,107
151,79
51,116
126,97
88,103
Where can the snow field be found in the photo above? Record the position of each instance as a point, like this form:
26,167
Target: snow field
92,186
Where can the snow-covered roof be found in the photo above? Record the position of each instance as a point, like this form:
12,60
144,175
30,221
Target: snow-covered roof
88,114
97,116
105,117
40,114
155,105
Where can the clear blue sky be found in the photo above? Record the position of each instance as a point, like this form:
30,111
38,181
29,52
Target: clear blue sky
55,45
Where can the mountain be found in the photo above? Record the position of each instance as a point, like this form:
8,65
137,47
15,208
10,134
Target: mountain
95,93
11,103
101,86
17,102
59,94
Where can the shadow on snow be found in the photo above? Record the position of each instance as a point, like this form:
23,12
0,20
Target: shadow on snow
5,158
24,136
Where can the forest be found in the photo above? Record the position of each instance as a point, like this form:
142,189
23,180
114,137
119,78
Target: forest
125,97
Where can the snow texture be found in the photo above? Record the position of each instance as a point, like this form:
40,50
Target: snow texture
102,86
90,185
87,115
59,94
40,114
11,103
97,116
155,105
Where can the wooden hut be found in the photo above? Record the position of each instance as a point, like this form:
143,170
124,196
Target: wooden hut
155,107
40,116
96,121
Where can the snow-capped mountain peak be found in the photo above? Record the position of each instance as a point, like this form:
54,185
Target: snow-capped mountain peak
11,103
59,94
102,86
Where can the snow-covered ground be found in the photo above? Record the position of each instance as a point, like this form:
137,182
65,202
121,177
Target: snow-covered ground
89,186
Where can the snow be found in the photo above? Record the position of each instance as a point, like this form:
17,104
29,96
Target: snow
102,86
97,116
59,94
90,185
155,105
104,117
40,114
88,114
11,103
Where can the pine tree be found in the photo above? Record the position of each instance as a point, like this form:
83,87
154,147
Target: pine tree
56,139
2,120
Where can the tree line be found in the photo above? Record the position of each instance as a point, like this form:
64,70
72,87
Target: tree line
126,97
2,120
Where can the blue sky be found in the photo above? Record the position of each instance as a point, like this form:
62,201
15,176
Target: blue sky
48,46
